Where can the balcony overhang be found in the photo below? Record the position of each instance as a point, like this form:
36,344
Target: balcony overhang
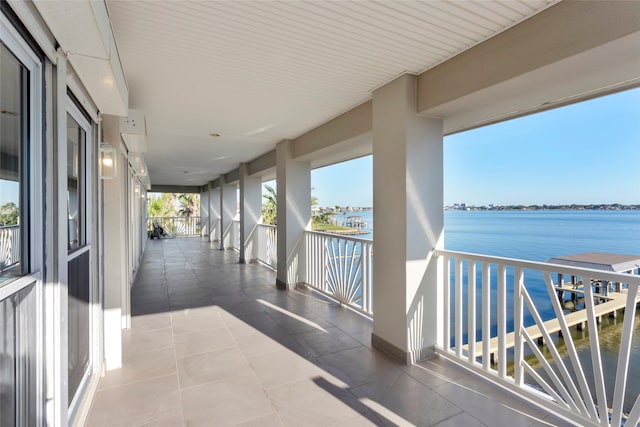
83,30
568,53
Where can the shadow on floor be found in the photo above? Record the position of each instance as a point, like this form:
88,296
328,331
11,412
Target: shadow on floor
213,342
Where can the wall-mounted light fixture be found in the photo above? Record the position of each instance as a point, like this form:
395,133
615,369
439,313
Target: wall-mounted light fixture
107,161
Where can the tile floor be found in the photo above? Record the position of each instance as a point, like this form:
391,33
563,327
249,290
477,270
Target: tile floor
213,343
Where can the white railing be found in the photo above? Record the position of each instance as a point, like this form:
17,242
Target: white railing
235,235
9,246
477,328
214,236
231,236
177,225
341,267
265,241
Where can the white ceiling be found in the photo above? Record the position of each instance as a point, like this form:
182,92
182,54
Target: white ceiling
258,72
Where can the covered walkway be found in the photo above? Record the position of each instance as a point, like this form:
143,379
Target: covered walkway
214,343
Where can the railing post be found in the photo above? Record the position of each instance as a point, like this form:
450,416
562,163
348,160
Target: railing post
446,309
471,304
518,283
502,320
594,344
486,315
458,308
366,277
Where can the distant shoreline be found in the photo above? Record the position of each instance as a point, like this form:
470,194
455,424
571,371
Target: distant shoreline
572,207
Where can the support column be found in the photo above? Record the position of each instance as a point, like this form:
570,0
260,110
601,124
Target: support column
409,222
228,209
215,202
250,211
294,215
115,261
204,212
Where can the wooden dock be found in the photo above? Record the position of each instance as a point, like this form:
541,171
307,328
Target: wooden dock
613,302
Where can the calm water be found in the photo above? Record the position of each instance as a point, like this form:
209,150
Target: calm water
540,235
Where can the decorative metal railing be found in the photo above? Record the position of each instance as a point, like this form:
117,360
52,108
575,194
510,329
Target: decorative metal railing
341,268
177,225
265,244
567,375
9,246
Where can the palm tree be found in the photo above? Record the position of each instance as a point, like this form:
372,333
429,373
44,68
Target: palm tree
159,206
270,206
188,204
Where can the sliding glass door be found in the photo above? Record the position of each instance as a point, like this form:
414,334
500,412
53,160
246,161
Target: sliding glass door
79,284
21,230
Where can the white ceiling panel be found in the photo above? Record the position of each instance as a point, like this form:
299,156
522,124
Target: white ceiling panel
257,72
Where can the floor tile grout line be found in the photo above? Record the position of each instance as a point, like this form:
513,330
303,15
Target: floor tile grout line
246,373
175,356
129,384
455,415
127,354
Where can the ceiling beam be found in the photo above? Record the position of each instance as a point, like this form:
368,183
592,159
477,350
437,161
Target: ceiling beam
346,126
175,189
527,60
262,163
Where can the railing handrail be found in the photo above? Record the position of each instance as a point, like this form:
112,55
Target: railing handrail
341,236
267,225
4,227
592,273
173,217
190,225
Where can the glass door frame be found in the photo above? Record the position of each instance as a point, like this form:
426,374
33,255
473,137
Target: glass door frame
34,228
88,167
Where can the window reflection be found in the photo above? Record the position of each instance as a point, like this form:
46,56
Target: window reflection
76,137
12,124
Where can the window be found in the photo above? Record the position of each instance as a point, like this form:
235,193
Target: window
76,183
21,230
13,183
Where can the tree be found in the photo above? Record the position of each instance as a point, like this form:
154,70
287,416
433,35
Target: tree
270,206
189,204
9,214
322,217
160,206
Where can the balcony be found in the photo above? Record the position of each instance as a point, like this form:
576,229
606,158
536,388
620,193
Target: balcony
9,247
214,343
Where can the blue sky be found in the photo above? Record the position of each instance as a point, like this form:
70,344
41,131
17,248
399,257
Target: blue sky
9,191
583,153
